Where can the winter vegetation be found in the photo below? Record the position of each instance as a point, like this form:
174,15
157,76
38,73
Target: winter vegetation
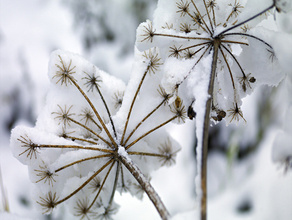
193,120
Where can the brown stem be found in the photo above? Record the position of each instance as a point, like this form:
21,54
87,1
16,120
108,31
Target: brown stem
147,187
203,167
133,102
95,112
150,131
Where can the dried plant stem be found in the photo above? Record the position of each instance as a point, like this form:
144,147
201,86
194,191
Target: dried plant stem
150,131
75,147
147,187
203,202
133,101
209,17
198,11
119,165
4,194
90,130
85,183
82,160
144,119
101,187
251,36
107,110
247,20
95,112
182,37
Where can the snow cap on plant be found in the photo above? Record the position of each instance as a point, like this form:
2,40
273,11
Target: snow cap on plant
94,132
187,33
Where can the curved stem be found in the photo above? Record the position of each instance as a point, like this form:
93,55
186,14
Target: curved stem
133,101
107,110
247,20
85,183
144,119
95,112
147,187
82,160
251,36
150,131
242,71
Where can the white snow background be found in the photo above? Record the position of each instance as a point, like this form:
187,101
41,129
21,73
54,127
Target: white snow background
30,30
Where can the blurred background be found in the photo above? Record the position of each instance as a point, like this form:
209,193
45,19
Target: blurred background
243,181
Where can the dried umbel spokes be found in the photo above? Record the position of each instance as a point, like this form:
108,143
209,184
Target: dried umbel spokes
194,29
81,147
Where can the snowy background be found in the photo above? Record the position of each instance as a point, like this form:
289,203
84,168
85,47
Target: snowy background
243,181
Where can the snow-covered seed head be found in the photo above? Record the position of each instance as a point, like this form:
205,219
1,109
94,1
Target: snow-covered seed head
45,175
168,155
246,80
183,7
31,148
92,81
186,28
64,115
95,184
200,27
163,94
149,32
77,160
211,4
153,60
179,110
82,208
48,202
235,113
174,51
64,74
118,99
86,115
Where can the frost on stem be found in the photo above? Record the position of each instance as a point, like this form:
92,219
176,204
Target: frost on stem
74,150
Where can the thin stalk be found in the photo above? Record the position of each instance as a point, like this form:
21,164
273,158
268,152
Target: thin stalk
75,147
147,187
183,37
203,167
90,130
196,45
80,139
107,110
198,23
251,36
144,119
95,112
229,69
209,17
150,131
133,101
85,183
102,184
242,71
119,165
198,11
82,160
234,42
247,20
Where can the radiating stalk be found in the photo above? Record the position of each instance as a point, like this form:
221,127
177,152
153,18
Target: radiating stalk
147,187
203,167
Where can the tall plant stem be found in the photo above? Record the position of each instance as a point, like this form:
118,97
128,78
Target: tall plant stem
147,187
203,167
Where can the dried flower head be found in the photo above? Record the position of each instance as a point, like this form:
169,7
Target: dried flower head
88,160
